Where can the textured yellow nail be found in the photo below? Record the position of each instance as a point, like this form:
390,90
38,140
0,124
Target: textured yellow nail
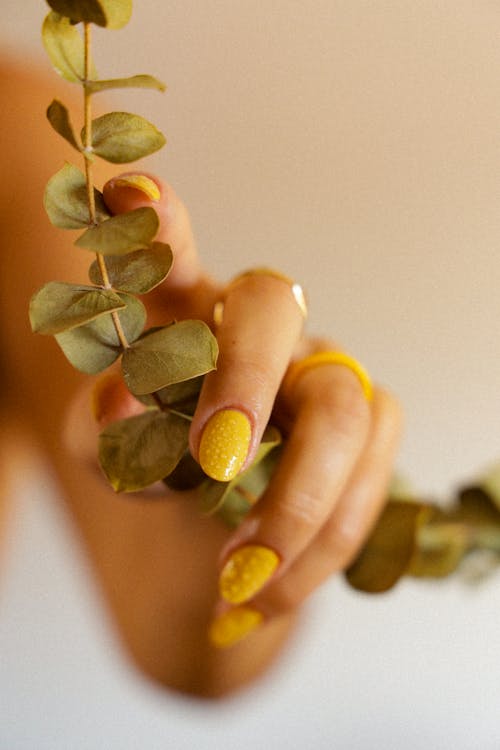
224,444
140,182
233,625
246,572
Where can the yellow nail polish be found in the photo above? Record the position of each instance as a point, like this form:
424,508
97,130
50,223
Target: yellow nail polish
246,572
233,625
224,444
140,182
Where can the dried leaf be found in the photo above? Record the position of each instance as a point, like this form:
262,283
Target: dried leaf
139,81
136,452
389,550
93,347
110,13
64,46
123,233
137,272
58,116
59,306
120,137
84,349
169,355
439,550
65,199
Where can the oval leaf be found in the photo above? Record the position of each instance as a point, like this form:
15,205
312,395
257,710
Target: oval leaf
440,549
91,348
58,116
59,306
137,272
84,349
389,550
65,200
64,46
169,355
141,81
123,233
120,137
110,13
136,452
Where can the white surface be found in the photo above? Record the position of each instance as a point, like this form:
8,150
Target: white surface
416,669
355,145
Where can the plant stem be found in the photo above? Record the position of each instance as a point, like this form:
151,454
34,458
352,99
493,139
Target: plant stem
87,109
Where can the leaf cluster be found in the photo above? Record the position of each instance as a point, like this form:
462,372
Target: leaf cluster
102,321
426,540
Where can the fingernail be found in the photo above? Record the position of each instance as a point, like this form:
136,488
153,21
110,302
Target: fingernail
246,572
233,625
140,182
224,444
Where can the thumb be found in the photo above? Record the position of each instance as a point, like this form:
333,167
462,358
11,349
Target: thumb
133,190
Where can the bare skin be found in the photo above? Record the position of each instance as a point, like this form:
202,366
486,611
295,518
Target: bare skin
158,561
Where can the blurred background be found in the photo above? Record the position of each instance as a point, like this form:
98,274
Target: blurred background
354,145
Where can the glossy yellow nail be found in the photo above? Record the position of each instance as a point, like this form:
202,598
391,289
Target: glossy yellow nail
248,569
140,182
224,444
233,625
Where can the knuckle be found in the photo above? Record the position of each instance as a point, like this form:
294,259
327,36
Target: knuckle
283,597
306,508
342,403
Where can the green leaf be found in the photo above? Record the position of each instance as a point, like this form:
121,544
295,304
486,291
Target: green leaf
64,46
93,347
136,452
65,199
84,349
182,396
120,137
169,355
137,272
110,13
123,233
439,550
58,116
387,554
59,306
140,81
248,485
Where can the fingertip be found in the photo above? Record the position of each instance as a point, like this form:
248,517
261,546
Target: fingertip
132,190
111,400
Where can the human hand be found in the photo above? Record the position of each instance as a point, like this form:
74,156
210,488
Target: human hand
331,482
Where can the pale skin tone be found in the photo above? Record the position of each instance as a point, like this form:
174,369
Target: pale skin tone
158,561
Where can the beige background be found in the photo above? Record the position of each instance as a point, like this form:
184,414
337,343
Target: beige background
354,144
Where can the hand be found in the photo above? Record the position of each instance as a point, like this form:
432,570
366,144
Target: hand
332,479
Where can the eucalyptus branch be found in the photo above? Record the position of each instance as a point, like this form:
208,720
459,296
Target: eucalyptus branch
87,108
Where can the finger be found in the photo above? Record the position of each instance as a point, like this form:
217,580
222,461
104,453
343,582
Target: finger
261,325
342,536
327,440
188,290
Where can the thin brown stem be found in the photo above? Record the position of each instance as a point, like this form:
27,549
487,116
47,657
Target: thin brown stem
87,110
